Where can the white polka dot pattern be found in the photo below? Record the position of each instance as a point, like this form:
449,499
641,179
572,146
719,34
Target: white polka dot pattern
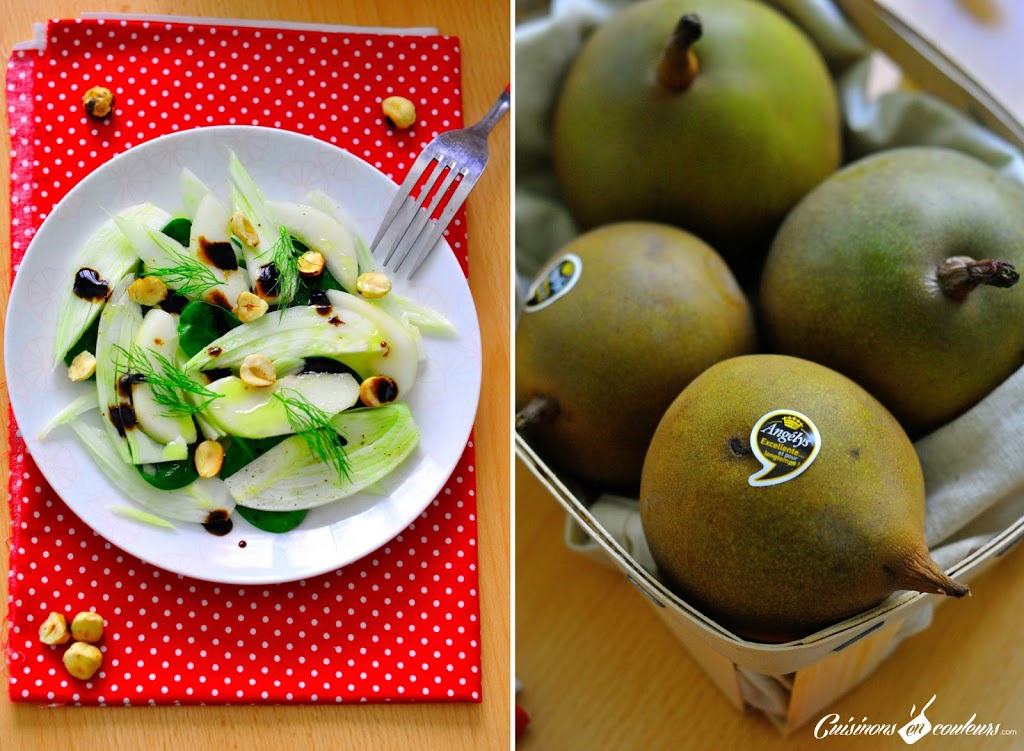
401,624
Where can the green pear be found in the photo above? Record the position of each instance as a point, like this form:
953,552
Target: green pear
779,498
616,325
713,115
897,271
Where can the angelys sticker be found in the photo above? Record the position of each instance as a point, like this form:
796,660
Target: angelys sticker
786,443
557,278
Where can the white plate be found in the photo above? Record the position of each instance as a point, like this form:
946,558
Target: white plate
287,166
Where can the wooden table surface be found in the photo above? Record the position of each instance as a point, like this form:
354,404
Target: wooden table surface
483,27
600,670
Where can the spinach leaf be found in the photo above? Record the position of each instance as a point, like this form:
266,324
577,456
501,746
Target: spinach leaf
241,451
179,229
171,475
275,522
200,323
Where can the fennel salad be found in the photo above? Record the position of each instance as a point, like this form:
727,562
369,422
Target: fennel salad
246,356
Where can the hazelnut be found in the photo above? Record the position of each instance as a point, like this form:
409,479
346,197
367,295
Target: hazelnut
399,112
54,630
311,264
373,284
242,228
83,366
249,307
98,102
209,458
377,390
87,626
258,371
148,290
82,660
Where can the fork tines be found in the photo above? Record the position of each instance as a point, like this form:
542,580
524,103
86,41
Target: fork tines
410,229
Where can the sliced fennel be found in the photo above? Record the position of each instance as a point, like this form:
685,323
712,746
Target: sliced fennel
157,346
192,504
110,255
210,230
398,358
420,317
138,515
85,403
119,323
247,198
314,427
294,334
320,200
209,430
290,477
321,232
192,191
165,258
427,320
252,412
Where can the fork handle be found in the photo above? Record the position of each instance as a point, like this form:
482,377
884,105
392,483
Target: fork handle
500,107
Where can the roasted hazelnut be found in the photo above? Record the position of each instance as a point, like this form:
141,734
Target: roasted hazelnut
311,264
209,458
54,630
87,626
242,228
377,390
399,112
249,307
83,366
373,284
82,660
258,371
148,290
98,102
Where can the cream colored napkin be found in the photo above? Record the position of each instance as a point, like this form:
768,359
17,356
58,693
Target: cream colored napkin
974,467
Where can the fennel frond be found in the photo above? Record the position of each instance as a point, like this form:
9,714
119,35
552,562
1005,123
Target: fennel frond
286,262
313,425
186,274
166,381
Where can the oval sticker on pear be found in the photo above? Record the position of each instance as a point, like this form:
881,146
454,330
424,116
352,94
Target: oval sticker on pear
556,279
786,442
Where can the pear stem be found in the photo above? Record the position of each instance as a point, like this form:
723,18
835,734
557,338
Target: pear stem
958,275
917,572
678,66
541,409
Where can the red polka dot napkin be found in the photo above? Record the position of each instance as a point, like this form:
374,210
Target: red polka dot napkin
401,624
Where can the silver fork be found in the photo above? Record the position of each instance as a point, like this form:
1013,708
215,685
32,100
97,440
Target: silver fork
408,231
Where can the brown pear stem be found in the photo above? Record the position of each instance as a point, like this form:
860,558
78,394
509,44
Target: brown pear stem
678,66
917,572
958,275
541,409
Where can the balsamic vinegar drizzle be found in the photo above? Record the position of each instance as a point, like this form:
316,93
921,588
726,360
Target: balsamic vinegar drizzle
218,522
218,254
174,303
123,417
89,285
268,281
